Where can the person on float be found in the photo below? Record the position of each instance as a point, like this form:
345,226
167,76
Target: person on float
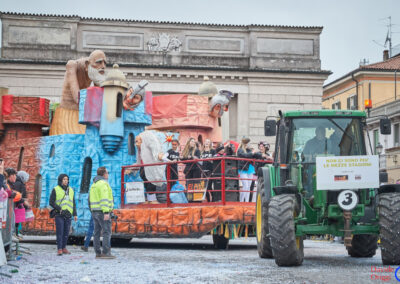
208,152
246,169
261,154
62,199
216,173
172,155
101,204
79,75
191,152
20,186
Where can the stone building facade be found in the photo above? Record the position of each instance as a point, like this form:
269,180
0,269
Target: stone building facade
267,67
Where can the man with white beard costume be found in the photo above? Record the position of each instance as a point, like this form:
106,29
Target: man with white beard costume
79,75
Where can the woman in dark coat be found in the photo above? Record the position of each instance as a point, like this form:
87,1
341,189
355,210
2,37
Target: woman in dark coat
207,166
60,199
191,152
19,185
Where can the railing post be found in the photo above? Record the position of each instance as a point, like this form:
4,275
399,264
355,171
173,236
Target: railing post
223,180
168,184
122,188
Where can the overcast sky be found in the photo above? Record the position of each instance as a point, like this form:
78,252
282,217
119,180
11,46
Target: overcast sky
350,26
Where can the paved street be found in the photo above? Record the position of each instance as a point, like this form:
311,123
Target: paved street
192,261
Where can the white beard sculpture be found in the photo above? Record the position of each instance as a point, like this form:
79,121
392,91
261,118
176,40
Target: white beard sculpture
95,76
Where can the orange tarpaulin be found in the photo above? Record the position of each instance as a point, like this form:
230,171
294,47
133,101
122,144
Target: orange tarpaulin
162,222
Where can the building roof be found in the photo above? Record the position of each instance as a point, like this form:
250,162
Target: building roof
156,22
390,65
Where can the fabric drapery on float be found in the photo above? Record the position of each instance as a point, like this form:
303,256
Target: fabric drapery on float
167,222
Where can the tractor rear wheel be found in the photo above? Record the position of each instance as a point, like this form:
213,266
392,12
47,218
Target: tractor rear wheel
363,246
262,231
288,250
389,221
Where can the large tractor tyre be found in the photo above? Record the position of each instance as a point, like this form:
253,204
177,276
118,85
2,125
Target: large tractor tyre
288,250
220,242
262,231
363,246
389,221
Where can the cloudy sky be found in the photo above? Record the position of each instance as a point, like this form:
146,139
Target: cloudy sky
350,26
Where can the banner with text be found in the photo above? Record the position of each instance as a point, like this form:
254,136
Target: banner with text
134,192
347,172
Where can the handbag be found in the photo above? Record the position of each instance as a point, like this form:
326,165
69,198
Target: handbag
29,216
19,214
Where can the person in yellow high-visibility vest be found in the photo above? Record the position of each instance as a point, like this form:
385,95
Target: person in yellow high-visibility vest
62,199
101,204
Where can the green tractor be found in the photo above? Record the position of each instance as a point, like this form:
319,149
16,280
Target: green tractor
323,182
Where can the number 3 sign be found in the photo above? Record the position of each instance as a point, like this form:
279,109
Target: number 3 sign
347,200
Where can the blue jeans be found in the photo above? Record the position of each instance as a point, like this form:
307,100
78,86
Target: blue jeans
62,231
89,233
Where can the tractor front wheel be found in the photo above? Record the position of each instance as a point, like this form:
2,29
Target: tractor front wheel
286,247
363,246
263,241
389,221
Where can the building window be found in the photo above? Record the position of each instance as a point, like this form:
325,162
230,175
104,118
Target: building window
52,151
131,144
352,102
37,195
396,135
376,140
86,175
336,105
20,159
119,105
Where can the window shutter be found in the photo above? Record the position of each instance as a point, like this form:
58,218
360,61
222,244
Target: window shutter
348,103
339,105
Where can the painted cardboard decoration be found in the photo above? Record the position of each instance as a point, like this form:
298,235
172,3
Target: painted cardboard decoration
133,97
220,103
79,75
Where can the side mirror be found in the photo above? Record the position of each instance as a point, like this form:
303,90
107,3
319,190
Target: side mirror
385,126
270,127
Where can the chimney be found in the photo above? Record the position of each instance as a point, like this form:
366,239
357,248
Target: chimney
385,55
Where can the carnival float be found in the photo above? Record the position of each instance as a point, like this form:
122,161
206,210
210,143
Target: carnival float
111,115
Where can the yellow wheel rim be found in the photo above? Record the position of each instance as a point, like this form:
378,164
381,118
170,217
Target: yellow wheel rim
258,217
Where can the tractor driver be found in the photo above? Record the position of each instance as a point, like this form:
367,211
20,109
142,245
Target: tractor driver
316,146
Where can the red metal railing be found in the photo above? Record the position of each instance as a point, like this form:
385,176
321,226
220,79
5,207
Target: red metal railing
195,163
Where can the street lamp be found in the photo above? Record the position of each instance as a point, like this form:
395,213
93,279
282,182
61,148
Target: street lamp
379,148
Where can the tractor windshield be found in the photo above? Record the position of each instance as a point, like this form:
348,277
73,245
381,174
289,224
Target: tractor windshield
312,137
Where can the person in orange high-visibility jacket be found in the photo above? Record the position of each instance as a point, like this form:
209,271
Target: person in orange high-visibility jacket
101,204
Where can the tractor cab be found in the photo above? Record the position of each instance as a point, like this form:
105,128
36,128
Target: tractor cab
301,139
